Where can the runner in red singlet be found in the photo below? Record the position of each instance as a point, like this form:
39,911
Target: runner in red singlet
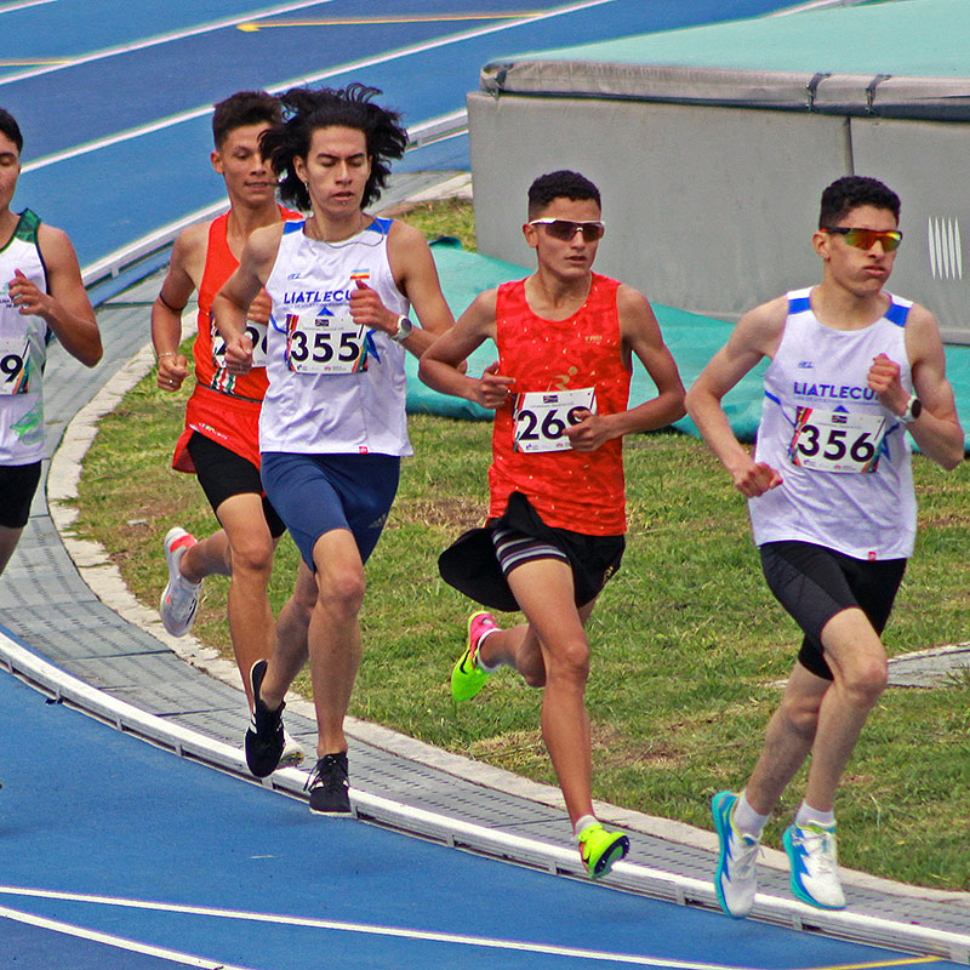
220,442
565,338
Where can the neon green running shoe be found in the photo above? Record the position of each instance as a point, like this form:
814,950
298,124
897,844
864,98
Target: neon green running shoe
600,849
467,678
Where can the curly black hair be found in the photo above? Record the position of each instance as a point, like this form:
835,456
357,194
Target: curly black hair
241,109
306,110
852,191
560,185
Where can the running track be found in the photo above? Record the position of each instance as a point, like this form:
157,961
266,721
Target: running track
112,853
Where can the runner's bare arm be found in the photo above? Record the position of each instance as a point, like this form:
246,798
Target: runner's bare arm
640,335
756,335
937,431
181,281
417,278
65,308
443,364
231,303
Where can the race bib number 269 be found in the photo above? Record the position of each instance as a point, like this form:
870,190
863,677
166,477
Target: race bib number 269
541,417
837,441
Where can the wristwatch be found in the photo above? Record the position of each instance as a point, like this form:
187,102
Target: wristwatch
404,330
914,408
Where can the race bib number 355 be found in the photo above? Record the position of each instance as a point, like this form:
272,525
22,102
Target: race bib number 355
541,417
324,345
836,441
14,357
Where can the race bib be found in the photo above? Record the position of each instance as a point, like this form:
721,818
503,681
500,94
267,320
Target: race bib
14,366
324,345
837,441
257,334
541,417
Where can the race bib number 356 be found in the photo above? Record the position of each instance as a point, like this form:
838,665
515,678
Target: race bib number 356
14,357
324,345
836,441
541,417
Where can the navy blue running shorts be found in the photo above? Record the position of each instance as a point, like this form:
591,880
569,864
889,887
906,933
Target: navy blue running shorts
814,583
315,494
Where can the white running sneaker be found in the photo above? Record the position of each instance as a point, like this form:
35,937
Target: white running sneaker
814,855
736,880
292,751
180,598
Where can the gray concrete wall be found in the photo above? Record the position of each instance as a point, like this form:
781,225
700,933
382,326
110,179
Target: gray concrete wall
711,209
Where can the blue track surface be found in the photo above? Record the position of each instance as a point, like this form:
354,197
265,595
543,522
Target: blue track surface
112,196
89,812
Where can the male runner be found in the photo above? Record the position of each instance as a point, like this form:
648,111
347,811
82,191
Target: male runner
560,388
220,442
832,507
333,426
42,297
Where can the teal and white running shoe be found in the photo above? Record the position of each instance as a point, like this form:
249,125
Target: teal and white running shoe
736,880
814,855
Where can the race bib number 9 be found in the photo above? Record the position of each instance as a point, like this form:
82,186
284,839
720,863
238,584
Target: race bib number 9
324,345
541,417
14,357
257,334
835,441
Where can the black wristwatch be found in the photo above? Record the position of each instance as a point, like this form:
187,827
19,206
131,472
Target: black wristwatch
914,408
404,330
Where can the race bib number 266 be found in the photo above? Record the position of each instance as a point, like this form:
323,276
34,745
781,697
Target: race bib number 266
541,417
837,441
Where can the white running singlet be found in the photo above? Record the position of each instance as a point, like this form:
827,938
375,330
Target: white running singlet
333,389
23,351
843,457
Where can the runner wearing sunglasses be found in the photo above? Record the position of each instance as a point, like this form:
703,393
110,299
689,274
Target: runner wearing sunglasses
565,338
832,507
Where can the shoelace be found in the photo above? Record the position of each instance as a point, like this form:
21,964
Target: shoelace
333,781
819,845
746,855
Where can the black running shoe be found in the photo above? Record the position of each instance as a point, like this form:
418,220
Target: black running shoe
264,740
329,786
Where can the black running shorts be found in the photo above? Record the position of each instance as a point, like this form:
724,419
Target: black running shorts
17,486
222,474
814,583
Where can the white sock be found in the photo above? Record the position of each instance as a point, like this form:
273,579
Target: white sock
746,820
584,822
812,816
479,662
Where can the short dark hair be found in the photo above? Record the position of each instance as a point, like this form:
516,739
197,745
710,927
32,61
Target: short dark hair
9,127
560,185
852,191
243,108
306,111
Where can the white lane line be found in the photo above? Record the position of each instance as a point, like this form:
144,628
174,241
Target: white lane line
393,932
10,8
163,39
117,941
178,119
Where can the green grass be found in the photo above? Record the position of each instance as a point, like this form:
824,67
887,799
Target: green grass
687,640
